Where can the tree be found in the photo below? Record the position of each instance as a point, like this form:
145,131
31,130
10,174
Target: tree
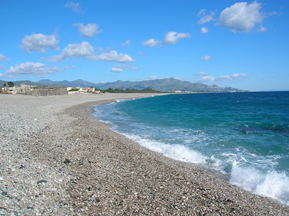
4,84
10,84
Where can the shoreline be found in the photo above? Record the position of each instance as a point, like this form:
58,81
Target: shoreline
57,159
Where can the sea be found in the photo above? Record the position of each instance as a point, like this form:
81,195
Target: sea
244,136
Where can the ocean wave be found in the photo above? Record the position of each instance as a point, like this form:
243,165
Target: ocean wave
271,184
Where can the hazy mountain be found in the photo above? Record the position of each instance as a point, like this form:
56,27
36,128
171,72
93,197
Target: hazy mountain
76,83
27,82
168,84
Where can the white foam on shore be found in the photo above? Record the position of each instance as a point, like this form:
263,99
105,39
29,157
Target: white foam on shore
271,184
177,152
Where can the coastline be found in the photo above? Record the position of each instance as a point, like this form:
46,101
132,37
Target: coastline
57,159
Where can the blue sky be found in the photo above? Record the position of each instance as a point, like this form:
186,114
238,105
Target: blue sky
227,43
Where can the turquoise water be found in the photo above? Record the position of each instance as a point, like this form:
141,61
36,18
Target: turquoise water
243,135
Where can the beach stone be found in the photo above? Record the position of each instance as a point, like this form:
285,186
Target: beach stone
67,161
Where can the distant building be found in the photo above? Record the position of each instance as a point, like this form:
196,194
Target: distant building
35,91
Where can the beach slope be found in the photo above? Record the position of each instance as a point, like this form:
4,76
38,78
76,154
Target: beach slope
56,159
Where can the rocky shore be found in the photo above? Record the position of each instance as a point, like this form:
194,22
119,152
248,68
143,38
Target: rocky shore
55,159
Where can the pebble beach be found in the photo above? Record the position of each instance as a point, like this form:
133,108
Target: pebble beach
56,159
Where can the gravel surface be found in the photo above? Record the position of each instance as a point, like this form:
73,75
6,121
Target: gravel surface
55,159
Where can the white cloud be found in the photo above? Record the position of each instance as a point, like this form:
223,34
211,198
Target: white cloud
204,30
206,58
66,67
2,67
74,51
202,12
207,79
262,29
275,13
225,78
31,68
90,30
3,59
154,78
112,56
241,17
74,6
127,43
85,50
151,43
233,77
202,74
116,70
39,42
173,37
206,18
141,54
120,68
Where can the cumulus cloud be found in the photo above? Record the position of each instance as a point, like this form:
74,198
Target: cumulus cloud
85,50
151,43
205,18
3,58
202,74
112,56
39,42
225,78
90,30
173,37
127,43
204,30
74,6
2,67
206,58
32,69
241,17
74,51
120,68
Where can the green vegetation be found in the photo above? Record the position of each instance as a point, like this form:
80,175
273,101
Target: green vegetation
10,84
74,89
146,90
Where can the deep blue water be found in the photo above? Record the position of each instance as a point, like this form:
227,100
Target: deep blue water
243,135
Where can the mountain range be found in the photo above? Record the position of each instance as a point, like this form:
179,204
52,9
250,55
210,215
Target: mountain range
167,84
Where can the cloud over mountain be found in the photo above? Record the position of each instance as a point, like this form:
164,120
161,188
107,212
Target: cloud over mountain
31,68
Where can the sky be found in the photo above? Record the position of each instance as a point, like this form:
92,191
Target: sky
228,43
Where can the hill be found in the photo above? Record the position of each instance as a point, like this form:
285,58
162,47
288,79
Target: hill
167,84
27,82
